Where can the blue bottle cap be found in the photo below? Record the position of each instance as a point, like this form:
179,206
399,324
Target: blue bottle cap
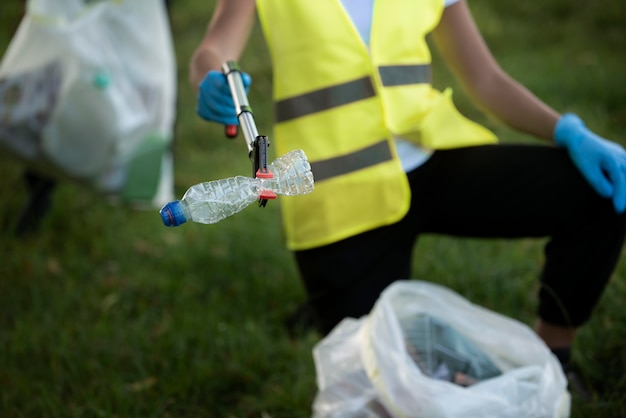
172,214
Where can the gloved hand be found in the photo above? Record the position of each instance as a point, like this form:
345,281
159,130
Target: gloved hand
215,102
601,162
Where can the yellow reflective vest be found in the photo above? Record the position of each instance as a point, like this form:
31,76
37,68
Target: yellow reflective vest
343,102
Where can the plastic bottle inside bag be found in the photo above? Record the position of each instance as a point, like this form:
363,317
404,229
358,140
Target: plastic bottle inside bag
97,115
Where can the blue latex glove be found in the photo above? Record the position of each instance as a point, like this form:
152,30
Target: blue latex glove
601,162
215,102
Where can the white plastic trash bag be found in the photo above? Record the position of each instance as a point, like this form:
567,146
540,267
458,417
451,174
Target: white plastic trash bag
379,362
88,92
345,389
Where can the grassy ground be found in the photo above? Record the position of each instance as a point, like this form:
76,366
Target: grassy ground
106,313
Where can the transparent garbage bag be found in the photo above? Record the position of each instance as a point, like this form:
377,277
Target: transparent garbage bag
345,389
88,93
392,362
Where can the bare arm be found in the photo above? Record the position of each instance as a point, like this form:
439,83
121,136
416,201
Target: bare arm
492,89
225,38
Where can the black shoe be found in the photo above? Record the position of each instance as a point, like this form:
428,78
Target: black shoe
40,190
301,321
575,384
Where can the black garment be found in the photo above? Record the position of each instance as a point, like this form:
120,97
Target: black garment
494,191
40,189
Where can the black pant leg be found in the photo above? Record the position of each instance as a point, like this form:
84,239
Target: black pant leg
515,191
344,279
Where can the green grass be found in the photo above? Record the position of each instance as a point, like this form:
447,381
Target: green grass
106,313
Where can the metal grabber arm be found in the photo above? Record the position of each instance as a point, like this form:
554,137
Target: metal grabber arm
257,144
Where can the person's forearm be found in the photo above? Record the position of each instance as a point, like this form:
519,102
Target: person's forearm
225,38
469,58
203,60
513,104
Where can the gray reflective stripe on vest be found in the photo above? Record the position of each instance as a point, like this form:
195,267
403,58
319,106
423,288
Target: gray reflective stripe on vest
352,91
398,75
344,164
323,99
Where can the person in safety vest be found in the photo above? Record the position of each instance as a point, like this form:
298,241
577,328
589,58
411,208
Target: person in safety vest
392,158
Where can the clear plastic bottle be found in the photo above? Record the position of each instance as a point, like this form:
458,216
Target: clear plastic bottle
212,201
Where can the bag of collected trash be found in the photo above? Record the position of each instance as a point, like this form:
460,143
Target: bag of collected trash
88,92
425,351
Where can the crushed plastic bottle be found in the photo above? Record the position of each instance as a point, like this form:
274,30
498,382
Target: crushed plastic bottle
212,201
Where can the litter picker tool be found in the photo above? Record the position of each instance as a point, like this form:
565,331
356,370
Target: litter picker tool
257,144
212,201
